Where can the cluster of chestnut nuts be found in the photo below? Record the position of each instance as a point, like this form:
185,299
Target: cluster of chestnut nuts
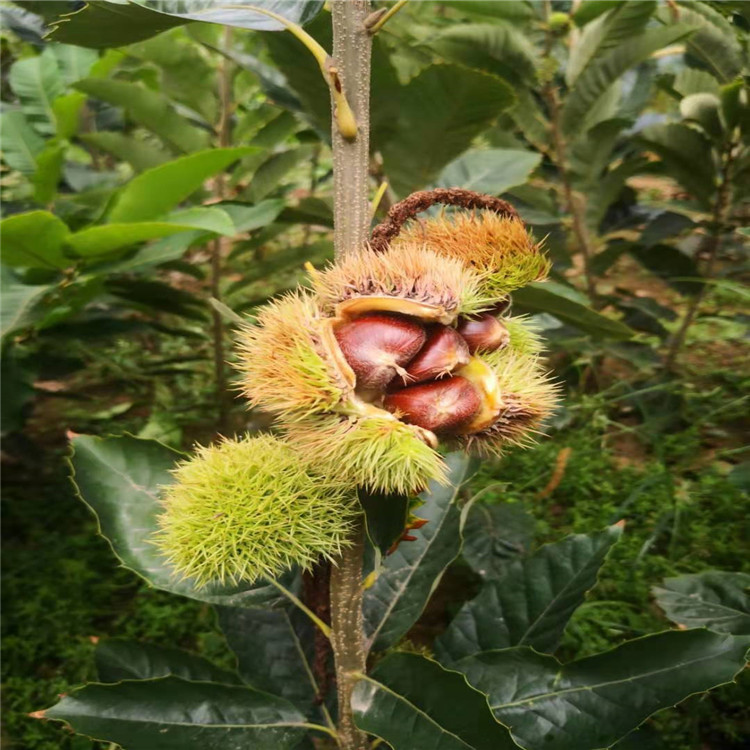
417,371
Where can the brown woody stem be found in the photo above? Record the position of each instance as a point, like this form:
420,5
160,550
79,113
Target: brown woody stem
219,246
351,55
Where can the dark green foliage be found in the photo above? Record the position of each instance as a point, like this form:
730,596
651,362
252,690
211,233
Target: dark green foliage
120,182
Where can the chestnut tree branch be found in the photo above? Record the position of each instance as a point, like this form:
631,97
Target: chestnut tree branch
351,57
220,245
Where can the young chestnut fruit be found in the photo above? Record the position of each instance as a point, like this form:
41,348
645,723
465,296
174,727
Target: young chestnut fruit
483,333
378,345
443,352
440,406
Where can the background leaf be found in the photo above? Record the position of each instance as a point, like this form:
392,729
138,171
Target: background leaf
156,191
540,297
34,240
593,702
118,660
412,702
147,108
273,651
596,79
532,603
37,82
17,301
170,713
440,111
493,171
21,143
119,479
409,575
494,535
715,599
105,24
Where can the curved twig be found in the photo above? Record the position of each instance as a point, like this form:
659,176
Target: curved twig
414,204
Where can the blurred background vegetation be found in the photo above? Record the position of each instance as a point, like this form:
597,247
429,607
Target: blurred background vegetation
154,189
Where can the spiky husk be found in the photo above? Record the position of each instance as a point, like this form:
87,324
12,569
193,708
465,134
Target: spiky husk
528,397
498,248
283,359
410,272
239,510
524,338
376,452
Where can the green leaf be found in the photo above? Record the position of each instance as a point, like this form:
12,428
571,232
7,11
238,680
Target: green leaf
273,651
119,479
118,660
239,14
109,238
593,702
494,535
67,112
409,575
385,517
704,108
493,171
532,603
139,153
170,713
208,218
150,296
74,62
34,240
670,264
517,11
715,42
37,82
270,173
17,301
441,111
21,143
412,702
155,191
540,297
499,49
623,21
309,210
147,108
686,155
49,165
597,78
716,599
284,260
108,24
694,81
246,218
165,250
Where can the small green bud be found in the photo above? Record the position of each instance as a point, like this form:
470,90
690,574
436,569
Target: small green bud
558,21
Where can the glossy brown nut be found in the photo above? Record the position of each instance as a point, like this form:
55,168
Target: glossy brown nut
443,352
439,406
483,333
377,346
